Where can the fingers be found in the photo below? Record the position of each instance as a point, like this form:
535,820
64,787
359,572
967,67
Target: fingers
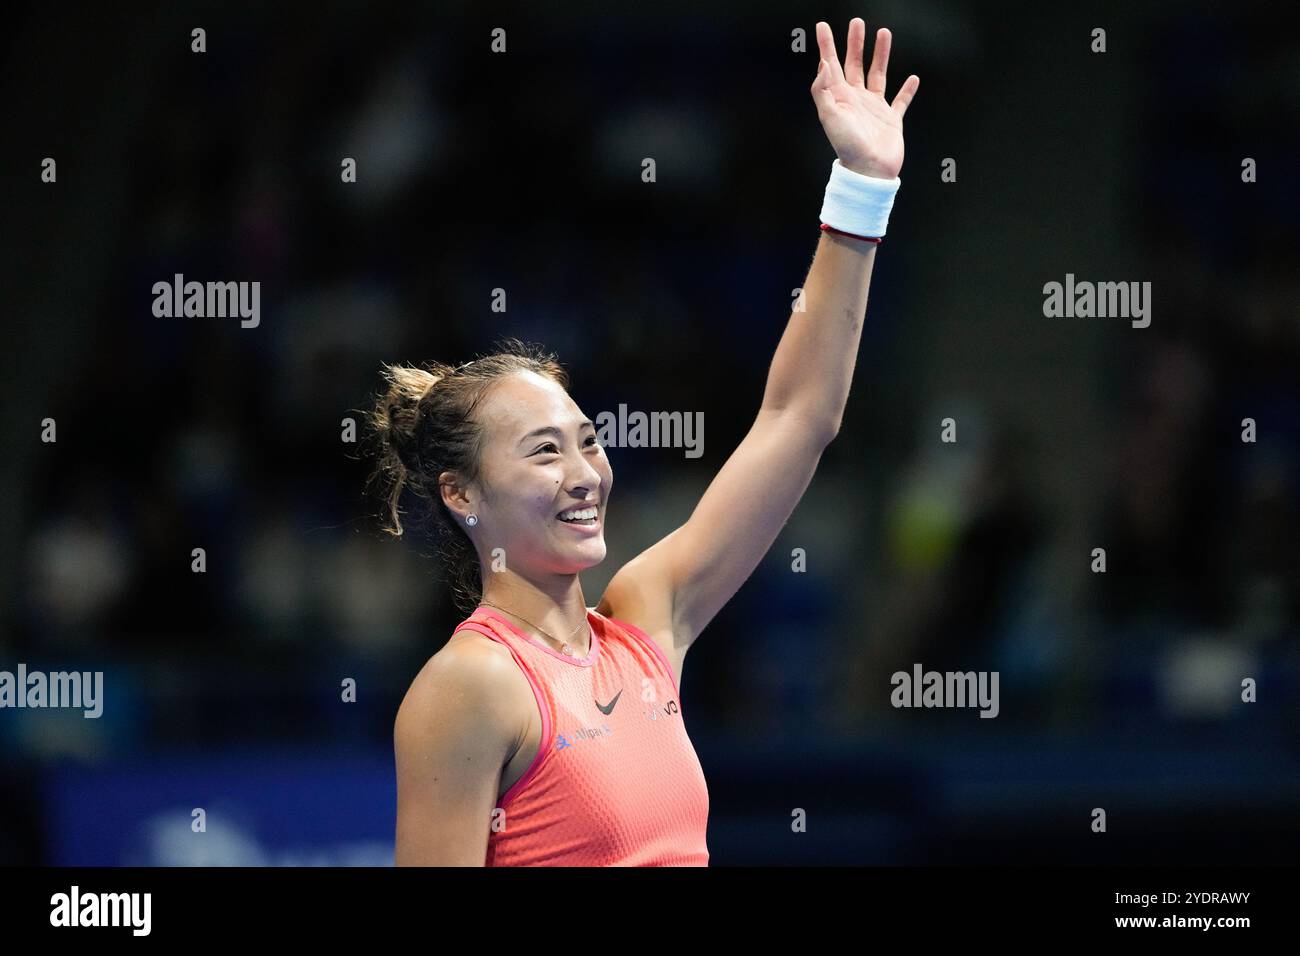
853,51
829,72
821,91
905,94
879,61
826,43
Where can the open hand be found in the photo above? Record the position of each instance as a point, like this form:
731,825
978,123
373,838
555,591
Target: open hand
865,130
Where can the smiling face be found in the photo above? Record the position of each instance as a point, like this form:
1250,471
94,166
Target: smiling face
540,458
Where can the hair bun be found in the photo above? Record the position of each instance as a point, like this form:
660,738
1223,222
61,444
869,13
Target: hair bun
418,434
397,417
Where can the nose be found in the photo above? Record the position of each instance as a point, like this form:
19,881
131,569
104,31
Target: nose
584,478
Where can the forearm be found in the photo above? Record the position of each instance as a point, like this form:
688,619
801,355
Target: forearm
813,367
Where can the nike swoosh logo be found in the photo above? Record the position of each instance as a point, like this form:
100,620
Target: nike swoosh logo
606,709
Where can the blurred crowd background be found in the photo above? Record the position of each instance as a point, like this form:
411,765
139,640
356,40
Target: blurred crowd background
522,171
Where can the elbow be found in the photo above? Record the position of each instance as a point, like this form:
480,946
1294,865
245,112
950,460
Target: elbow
822,427
830,430
825,423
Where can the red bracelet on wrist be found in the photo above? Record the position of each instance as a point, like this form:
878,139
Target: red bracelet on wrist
841,232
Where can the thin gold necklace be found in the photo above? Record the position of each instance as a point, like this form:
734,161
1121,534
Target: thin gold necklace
564,645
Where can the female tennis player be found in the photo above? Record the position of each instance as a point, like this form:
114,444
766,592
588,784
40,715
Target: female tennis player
546,732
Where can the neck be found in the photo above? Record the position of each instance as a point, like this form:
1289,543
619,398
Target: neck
556,606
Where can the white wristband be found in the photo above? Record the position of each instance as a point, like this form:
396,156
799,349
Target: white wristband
856,203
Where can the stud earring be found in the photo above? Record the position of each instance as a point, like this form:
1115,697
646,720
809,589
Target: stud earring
472,520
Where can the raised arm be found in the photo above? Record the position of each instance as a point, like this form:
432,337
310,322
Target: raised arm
673,589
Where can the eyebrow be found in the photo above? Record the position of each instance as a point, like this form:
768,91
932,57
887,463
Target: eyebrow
552,430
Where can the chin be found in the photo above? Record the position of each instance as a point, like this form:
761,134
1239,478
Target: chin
588,556
595,550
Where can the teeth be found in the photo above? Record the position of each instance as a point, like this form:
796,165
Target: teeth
578,514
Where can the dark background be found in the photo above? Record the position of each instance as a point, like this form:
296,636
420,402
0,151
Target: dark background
522,171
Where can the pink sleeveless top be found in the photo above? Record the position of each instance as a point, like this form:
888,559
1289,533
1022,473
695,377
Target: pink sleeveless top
616,781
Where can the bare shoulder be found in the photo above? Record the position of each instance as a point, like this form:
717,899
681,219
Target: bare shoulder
639,594
459,724
471,683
